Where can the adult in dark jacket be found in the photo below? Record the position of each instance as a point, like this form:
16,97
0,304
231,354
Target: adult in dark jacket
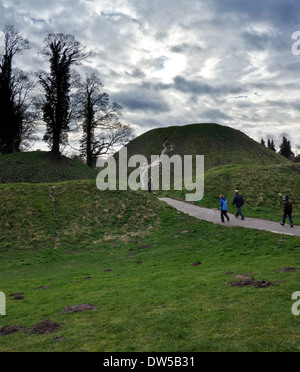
239,202
287,211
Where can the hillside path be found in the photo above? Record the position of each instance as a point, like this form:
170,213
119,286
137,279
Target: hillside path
213,215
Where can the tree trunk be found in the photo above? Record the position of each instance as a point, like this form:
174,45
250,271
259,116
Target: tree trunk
55,145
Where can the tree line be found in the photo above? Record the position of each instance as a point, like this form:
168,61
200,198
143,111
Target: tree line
67,100
285,148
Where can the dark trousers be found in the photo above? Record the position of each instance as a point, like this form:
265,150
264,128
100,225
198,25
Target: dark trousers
290,217
224,213
239,211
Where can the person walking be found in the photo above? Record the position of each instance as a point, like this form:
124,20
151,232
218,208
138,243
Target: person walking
239,202
287,211
223,205
150,185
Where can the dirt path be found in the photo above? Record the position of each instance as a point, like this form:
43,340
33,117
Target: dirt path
51,194
213,215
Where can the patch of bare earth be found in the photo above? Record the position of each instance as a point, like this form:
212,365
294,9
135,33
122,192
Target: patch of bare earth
57,339
247,280
243,276
44,328
17,296
286,269
42,287
263,284
9,329
241,283
79,308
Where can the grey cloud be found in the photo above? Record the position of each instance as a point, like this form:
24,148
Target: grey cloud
142,98
136,73
132,40
273,11
186,48
201,88
284,104
292,67
136,103
116,16
215,116
192,86
161,35
152,123
261,41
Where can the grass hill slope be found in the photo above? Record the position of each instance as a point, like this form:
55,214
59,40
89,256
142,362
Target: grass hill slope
232,161
157,280
263,189
75,212
221,145
40,166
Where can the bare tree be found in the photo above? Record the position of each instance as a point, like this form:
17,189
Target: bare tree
102,130
108,140
25,108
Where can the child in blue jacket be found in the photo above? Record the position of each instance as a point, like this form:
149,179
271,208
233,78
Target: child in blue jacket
223,205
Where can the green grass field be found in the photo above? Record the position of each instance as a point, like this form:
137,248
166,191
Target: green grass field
132,257
158,280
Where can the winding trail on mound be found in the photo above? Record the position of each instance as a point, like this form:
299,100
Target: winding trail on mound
51,194
213,215
145,167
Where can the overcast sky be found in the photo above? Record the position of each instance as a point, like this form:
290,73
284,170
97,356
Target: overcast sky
176,62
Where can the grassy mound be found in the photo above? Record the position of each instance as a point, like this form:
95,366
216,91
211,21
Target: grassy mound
75,211
40,167
221,145
232,161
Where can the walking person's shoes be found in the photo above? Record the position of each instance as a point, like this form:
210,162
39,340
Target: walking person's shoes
281,223
242,218
292,225
228,219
